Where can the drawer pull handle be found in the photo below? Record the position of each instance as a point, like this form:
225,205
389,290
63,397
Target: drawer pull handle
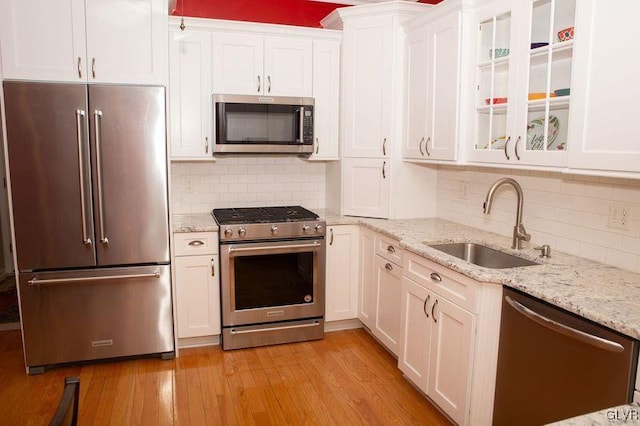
388,267
436,277
196,243
424,307
391,249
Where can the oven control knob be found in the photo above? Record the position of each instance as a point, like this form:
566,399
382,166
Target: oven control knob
274,230
242,232
228,233
305,229
319,229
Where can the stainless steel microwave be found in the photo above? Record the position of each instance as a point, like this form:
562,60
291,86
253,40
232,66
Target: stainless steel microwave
263,124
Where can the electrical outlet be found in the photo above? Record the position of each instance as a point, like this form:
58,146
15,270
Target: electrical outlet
619,216
188,183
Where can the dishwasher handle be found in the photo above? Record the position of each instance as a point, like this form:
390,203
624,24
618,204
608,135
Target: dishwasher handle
557,327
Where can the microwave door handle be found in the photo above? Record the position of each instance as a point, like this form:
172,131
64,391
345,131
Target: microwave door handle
301,126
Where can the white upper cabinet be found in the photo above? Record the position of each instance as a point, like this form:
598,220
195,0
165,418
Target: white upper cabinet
604,94
523,84
366,184
247,64
367,87
190,94
432,95
101,41
326,93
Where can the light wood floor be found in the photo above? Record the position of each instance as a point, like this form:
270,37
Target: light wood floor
345,379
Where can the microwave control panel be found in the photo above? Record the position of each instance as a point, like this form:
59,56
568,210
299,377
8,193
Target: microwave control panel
307,126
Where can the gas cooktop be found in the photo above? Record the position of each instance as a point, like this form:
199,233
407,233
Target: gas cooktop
246,215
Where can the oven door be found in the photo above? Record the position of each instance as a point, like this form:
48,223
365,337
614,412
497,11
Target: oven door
272,281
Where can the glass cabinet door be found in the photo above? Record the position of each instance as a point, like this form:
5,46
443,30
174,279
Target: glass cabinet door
493,83
543,138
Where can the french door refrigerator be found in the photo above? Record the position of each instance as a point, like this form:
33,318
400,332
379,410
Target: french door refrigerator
88,174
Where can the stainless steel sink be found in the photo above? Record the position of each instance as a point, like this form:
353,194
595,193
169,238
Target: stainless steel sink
482,256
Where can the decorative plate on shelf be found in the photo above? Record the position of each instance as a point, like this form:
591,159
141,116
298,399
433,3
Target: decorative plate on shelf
497,143
535,134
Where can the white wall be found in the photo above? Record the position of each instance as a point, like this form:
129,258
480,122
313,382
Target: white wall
247,181
568,212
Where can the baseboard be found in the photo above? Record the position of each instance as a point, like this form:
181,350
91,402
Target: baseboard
196,342
9,326
348,324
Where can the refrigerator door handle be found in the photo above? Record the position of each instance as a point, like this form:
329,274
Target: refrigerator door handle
79,118
97,119
36,281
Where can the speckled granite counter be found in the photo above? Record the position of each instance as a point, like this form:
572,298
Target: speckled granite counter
196,222
623,414
601,293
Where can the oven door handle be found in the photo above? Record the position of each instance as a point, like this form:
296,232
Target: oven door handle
276,247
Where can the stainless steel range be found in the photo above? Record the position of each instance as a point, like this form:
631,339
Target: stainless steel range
272,262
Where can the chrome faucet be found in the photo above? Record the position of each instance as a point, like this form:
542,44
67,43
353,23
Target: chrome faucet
519,233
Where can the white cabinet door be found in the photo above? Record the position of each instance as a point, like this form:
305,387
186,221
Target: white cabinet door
341,294
190,94
102,41
238,64
432,91
366,187
417,64
127,41
288,67
443,88
388,281
43,40
367,87
326,94
451,355
248,64
367,296
197,295
415,333
604,102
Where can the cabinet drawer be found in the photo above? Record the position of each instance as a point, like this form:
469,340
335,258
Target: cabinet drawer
455,287
193,243
389,249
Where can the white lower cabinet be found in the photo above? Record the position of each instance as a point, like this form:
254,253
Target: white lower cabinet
367,299
341,292
197,284
436,343
388,278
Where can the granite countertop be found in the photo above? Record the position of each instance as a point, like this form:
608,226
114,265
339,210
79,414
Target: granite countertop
623,414
604,294
194,222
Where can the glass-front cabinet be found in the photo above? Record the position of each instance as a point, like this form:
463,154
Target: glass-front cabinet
523,72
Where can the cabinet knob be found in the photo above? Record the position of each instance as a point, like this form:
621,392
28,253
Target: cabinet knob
391,249
388,267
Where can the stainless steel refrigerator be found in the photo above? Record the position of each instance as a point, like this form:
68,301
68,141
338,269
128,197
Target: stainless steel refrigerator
88,175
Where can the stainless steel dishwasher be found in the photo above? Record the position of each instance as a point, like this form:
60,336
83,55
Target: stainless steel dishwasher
553,364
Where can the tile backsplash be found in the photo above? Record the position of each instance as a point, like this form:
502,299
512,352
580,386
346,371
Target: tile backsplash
568,212
247,181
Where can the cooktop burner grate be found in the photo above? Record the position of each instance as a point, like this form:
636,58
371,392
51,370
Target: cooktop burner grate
262,215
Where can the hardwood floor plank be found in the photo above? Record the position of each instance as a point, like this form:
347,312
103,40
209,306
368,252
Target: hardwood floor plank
345,379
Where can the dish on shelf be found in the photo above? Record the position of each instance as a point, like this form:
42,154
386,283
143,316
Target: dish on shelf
562,92
565,34
539,44
535,134
540,95
497,143
488,101
500,52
